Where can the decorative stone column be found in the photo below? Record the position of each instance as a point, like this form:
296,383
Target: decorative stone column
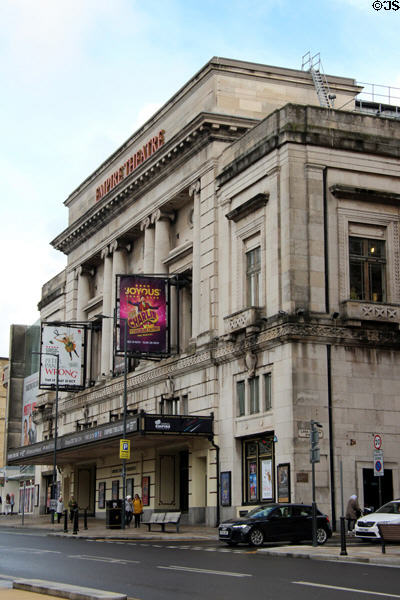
162,243
106,339
82,274
119,251
148,259
194,191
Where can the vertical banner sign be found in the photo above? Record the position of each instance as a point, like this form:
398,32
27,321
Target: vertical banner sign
143,302
31,387
66,341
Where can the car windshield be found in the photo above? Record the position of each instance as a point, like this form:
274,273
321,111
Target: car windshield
263,511
392,508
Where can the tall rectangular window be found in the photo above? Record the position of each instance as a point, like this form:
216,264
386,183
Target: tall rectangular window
253,277
367,259
254,396
267,392
240,394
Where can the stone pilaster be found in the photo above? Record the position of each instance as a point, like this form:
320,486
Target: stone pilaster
82,274
194,191
148,259
106,340
162,243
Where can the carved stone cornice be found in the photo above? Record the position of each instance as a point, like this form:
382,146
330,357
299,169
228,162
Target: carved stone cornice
204,129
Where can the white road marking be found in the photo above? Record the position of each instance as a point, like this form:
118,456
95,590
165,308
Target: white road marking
30,550
107,559
205,571
346,589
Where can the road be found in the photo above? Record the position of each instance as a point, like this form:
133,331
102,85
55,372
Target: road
183,571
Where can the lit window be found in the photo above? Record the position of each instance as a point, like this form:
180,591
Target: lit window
367,269
253,277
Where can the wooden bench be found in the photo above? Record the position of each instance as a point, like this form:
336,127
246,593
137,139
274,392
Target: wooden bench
389,532
163,519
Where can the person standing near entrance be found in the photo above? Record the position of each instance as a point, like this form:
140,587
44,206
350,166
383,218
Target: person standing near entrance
128,510
60,508
137,509
353,512
72,505
12,502
7,507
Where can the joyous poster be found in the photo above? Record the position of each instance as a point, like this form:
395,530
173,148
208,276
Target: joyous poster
31,387
66,342
143,303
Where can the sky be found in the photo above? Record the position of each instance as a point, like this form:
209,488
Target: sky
78,77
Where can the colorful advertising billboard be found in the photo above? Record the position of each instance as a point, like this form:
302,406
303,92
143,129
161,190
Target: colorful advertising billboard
143,302
68,342
31,388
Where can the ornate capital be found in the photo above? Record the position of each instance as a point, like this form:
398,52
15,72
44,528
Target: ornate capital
160,215
195,188
118,245
145,224
83,270
105,252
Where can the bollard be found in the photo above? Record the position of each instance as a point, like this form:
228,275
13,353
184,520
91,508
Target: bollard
85,519
76,522
65,521
343,551
52,517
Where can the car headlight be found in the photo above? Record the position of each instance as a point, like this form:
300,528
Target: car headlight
244,528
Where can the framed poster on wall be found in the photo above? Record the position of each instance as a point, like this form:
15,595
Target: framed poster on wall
267,492
283,482
102,494
146,491
226,488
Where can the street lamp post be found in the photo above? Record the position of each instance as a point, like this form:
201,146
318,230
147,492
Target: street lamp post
54,484
125,402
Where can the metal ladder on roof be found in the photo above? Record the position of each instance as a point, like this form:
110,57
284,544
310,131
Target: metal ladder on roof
314,66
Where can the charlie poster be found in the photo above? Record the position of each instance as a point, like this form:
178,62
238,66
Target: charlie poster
143,303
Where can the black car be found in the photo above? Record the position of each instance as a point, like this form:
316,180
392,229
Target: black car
275,522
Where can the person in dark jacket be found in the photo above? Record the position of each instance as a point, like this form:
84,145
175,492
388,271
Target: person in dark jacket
353,512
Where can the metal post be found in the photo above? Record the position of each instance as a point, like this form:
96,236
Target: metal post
343,551
85,519
380,490
314,507
76,521
23,503
54,494
65,521
125,399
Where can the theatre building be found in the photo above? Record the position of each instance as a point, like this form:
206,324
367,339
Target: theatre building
271,219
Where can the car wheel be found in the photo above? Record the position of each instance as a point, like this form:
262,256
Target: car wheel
322,536
256,537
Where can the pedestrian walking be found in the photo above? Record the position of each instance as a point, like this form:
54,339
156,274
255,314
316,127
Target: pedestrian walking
7,507
137,509
60,508
128,510
73,506
353,512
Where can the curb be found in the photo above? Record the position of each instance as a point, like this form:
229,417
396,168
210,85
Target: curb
65,590
388,561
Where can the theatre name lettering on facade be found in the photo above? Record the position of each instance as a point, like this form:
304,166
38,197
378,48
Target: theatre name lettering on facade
138,158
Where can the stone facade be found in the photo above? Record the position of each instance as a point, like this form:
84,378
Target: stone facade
247,190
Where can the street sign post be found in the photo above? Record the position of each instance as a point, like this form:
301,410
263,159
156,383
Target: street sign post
378,463
125,449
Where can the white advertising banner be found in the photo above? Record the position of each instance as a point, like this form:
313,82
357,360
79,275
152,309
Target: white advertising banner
66,342
266,479
31,388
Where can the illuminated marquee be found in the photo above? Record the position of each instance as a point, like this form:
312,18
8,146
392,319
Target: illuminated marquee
131,164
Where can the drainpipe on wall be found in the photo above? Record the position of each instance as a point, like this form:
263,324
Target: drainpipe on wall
211,439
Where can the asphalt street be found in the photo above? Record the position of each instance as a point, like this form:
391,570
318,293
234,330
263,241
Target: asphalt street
155,570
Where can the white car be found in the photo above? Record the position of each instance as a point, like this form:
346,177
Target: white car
367,526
